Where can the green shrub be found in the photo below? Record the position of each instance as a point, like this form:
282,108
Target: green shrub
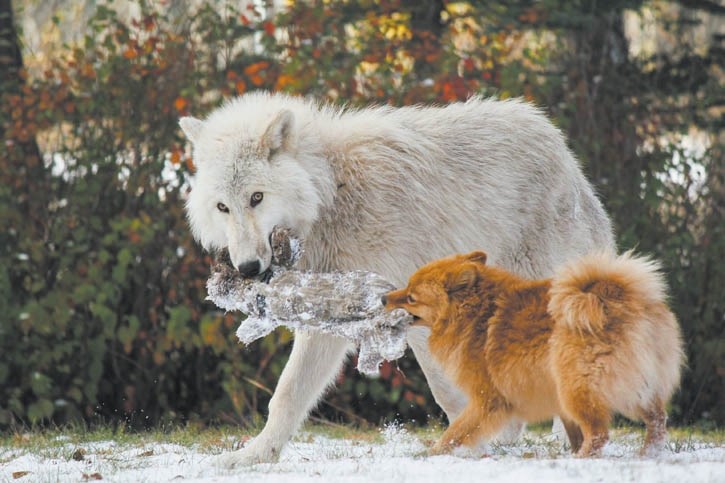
102,310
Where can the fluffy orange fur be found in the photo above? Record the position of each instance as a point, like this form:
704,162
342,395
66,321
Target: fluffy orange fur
596,339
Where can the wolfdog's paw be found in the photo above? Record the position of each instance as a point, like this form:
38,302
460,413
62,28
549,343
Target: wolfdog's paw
247,456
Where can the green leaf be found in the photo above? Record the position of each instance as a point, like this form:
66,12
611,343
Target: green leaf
126,333
39,410
84,293
106,315
41,384
75,394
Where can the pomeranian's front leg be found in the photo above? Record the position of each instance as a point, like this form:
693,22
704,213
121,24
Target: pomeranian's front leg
472,425
313,364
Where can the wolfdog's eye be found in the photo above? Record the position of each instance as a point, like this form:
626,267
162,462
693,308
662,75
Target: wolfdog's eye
257,197
411,299
222,207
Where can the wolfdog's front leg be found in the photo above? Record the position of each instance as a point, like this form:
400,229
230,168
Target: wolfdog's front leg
446,394
313,364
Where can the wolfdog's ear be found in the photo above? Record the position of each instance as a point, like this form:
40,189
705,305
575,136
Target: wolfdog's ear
278,135
191,127
461,278
478,256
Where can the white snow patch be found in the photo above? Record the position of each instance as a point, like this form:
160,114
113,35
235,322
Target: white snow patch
399,458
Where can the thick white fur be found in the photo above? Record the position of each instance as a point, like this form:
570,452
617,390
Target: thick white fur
386,190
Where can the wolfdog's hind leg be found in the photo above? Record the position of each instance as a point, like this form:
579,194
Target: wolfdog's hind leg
313,364
449,397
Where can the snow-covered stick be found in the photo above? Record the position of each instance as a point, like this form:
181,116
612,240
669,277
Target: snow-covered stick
345,304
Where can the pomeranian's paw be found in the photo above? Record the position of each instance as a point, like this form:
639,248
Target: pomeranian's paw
440,448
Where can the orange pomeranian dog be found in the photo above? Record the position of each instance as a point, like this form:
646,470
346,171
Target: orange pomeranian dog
596,339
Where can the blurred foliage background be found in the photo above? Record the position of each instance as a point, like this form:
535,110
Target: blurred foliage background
102,310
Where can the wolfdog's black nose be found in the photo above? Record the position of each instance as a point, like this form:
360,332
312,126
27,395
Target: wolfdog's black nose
384,299
249,269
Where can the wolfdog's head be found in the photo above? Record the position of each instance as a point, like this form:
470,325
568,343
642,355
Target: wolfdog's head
249,179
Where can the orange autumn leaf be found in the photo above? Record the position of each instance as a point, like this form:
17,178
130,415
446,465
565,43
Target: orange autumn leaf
190,165
180,104
257,80
530,16
148,23
134,237
284,81
252,69
88,71
130,53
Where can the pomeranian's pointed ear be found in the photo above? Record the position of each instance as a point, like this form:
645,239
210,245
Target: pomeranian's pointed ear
478,257
278,135
191,127
462,278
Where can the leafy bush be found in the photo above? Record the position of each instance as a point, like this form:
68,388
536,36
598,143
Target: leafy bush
102,289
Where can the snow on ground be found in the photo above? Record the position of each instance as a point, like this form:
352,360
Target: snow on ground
398,457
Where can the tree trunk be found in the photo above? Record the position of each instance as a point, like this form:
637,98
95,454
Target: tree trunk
11,60
20,159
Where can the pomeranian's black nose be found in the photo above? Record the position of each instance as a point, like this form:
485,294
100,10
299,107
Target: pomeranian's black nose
384,299
249,269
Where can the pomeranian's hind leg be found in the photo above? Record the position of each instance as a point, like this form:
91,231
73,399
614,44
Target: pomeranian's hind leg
655,420
574,433
591,414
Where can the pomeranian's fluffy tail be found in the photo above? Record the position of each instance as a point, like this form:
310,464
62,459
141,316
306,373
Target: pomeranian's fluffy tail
603,287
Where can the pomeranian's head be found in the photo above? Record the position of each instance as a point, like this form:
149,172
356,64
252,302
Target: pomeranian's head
429,291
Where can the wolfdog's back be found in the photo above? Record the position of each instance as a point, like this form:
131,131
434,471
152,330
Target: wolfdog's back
429,181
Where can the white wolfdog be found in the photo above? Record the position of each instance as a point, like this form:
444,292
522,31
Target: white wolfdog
385,190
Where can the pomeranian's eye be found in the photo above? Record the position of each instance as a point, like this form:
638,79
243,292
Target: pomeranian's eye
222,207
257,198
411,299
